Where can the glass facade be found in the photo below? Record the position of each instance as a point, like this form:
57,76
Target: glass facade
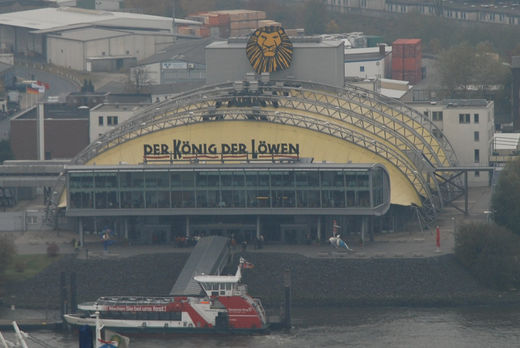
227,188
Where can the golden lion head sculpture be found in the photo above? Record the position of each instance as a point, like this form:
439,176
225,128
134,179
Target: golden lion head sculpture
269,49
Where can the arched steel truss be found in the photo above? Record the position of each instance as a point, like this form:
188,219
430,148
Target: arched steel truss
388,128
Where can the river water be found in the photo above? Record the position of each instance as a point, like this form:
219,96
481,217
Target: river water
493,326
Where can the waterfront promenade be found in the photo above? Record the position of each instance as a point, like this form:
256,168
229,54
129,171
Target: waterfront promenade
415,243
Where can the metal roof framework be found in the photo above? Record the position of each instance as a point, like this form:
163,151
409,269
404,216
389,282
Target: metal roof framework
390,129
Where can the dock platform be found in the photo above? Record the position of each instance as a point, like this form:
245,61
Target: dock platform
209,256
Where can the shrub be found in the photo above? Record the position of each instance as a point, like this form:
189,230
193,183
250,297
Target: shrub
490,252
19,266
7,252
53,249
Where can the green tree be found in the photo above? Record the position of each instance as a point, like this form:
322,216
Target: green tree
5,151
490,252
315,17
505,201
455,66
488,70
464,66
7,252
332,27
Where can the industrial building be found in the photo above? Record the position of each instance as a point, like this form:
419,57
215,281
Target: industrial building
86,40
63,130
105,117
369,62
182,61
315,60
502,13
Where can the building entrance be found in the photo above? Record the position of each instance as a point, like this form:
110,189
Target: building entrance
295,233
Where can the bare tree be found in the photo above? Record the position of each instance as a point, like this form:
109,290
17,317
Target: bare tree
139,79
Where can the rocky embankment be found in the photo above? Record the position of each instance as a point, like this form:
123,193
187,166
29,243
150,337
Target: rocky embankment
433,281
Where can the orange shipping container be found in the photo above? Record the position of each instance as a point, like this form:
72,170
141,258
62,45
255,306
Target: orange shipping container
213,19
204,31
411,64
223,18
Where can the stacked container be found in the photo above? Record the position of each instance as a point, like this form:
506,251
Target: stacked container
406,60
227,23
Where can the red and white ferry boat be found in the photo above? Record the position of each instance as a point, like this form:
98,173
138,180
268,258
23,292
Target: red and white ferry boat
224,308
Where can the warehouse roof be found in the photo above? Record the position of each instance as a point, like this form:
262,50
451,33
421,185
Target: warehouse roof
188,50
87,34
49,18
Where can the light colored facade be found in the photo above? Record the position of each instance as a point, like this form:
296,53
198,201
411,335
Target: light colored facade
344,6
168,72
368,63
105,117
486,13
77,49
107,5
313,60
26,31
469,126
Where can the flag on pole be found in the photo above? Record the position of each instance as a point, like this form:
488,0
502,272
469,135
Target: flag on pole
39,86
30,90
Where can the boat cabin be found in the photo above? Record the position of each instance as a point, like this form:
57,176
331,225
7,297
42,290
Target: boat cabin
220,285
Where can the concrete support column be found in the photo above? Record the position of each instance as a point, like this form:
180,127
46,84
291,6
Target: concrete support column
126,228
81,233
371,228
318,229
40,132
364,225
258,227
187,226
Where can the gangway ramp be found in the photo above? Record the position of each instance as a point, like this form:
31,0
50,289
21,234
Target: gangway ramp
209,256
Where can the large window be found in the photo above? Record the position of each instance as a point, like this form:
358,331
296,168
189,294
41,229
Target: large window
227,188
464,118
437,115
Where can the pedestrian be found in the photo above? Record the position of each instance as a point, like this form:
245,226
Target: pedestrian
244,245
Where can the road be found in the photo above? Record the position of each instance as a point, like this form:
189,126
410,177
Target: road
59,86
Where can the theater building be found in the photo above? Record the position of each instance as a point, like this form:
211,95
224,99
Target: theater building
268,155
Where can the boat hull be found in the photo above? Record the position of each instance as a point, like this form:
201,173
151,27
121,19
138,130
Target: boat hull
151,329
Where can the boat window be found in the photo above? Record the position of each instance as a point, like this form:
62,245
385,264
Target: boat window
215,286
128,315
164,316
175,316
228,286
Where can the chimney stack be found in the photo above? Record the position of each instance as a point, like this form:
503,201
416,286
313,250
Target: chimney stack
382,49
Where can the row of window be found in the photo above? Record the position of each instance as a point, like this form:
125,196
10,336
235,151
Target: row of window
111,120
166,316
436,115
215,179
473,14
463,118
466,118
225,199
227,189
